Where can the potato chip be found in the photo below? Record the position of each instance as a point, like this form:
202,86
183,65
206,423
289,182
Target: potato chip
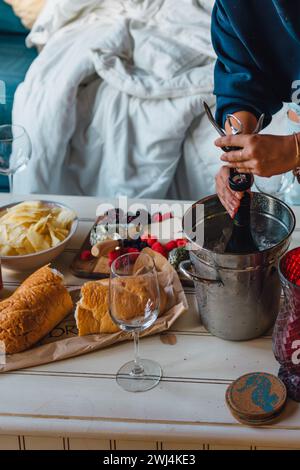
33,226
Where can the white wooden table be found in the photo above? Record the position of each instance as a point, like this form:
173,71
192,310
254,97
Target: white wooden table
76,404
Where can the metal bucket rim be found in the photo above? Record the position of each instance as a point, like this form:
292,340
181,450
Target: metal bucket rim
262,252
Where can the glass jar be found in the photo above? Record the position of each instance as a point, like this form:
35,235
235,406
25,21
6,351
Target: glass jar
286,335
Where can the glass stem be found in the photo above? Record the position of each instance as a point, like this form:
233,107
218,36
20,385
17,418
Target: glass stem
138,368
11,183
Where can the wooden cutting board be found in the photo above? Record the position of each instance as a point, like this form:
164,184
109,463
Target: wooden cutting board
98,268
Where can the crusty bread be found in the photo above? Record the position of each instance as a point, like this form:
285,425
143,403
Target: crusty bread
34,309
92,313
131,295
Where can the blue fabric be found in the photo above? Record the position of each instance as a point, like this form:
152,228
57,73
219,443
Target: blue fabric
258,48
9,23
15,60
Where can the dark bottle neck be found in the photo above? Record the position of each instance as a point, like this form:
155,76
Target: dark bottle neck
241,240
241,182
243,215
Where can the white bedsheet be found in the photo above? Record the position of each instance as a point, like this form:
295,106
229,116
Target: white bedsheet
111,97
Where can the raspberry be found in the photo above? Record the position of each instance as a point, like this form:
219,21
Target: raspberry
171,245
86,255
298,282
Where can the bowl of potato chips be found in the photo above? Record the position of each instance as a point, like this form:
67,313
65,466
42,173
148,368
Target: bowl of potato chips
34,233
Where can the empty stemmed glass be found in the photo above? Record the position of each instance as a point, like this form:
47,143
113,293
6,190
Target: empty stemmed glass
15,151
134,307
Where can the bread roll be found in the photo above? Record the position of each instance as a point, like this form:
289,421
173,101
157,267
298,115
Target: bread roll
92,313
34,309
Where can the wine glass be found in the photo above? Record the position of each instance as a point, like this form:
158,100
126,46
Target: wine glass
134,301
15,151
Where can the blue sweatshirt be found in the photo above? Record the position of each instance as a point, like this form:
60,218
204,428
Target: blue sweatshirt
258,47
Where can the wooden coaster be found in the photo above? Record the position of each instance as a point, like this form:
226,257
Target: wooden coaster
256,398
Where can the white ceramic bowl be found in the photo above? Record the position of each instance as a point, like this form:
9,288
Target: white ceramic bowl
34,261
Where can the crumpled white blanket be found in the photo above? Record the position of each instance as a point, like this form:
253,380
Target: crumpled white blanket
111,97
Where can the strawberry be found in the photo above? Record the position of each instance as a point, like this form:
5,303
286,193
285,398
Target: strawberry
149,239
157,245
171,245
181,242
159,248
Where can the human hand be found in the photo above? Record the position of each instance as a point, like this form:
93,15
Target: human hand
262,155
230,199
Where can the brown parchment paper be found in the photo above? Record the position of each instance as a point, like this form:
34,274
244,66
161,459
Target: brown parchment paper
63,342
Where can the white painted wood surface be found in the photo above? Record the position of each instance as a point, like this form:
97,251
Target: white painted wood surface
76,404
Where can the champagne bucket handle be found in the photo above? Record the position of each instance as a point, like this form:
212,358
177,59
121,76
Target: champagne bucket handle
185,267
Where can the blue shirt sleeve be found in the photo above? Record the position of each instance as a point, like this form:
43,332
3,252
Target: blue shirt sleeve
239,83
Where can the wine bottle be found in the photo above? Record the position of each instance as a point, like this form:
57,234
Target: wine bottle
241,240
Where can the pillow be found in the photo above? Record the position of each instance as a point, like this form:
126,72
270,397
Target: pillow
27,10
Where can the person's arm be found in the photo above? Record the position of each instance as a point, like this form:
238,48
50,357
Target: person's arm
239,84
241,89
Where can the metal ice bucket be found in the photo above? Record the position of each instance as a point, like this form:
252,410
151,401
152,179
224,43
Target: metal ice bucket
238,295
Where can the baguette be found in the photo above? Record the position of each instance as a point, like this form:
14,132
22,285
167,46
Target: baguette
34,309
